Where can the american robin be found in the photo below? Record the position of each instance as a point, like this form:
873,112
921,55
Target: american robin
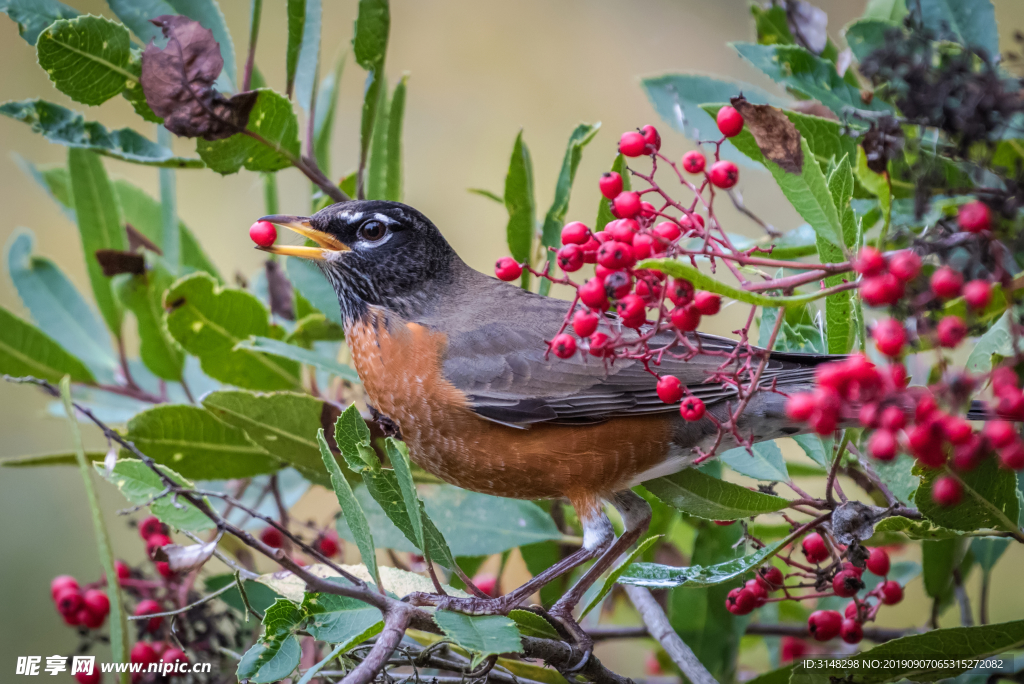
458,361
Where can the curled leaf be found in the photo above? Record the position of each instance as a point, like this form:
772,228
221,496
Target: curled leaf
776,136
178,83
854,521
185,558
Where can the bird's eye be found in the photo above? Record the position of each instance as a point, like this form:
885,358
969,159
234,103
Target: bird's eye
372,231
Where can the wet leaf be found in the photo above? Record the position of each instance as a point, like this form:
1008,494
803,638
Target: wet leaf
708,497
614,575
658,576
776,136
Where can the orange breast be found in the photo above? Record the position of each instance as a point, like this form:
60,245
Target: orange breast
400,366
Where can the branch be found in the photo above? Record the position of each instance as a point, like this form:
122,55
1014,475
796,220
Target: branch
657,622
396,621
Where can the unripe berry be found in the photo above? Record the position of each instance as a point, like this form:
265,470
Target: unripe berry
142,652
883,445
651,137
692,409
632,144
585,323
151,526
272,537
327,543
878,562
947,491
610,184
814,548
62,583
951,331
846,584
724,174
881,290
575,233
686,318
946,283
870,262
680,292
507,269
799,407
851,631
977,294
570,258
667,231
626,204
974,217
824,624
890,337
770,577
670,389
905,265
263,233
730,122
892,593
693,161
708,303
148,607
1000,433
631,310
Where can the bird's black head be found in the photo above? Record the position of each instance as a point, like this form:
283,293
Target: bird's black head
374,253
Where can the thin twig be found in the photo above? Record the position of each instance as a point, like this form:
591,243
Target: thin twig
185,609
657,622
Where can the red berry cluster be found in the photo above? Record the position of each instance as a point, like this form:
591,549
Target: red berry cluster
754,593
87,608
154,533
146,653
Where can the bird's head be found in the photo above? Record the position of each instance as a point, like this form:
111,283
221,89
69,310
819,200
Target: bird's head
374,253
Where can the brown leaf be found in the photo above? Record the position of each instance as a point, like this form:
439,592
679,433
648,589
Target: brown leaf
279,291
114,261
137,241
178,83
814,108
775,134
185,558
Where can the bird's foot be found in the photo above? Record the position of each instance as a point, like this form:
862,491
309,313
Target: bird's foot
561,615
471,605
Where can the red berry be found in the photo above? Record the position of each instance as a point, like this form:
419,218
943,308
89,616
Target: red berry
1012,457
868,415
644,246
142,652
585,323
272,537
892,593
878,562
575,233
730,122
652,666
648,291
122,570
852,611
92,677
148,607
156,541
174,655
96,602
724,174
925,440
947,491
680,292
898,375
870,262
632,144
614,254
90,620
974,217
740,601
692,409
893,418
62,583
1004,378
651,137
486,582
957,430
570,258
890,337
590,248
327,544
68,601
693,161
151,526
758,590
164,568
626,204
598,345
263,233
610,184
686,318
792,649
708,303
770,577
690,221
507,269
723,523
883,445
667,231
881,290
851,631
946,283
1000,433
563,345
647,210
814,548
951,331
850,567
799,407
670,389
593,295
825,624
846,584
977,294
905,265
623,230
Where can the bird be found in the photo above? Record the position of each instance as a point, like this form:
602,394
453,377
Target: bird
458,361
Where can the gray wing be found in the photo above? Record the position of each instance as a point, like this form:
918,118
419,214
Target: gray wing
499,361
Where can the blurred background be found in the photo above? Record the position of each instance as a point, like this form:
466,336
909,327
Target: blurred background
479,72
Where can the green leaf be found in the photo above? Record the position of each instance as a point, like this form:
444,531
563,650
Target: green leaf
26,351
677,99
796,243
840,316
278,652
48,460
898,475
989,500
326,109
370,38
99,226
695,493
350,508
765,464
309,55
69,128
143,295
33,16
311,283
987,551
273,120
533,625
58,308
555,218
197,445
484,192
817,448
209,321
86,58
876,184
771,25
384,488
136,15
915,529
864,36
483,635
140,485
604,211
393,187
812,76
284,350
971,22
340,619
520,205
377,164
398,454
997,340
296,10
285,424
353,439
615,574
662,576
889,10
314,327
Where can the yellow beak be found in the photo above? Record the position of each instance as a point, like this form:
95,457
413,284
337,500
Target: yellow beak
300,224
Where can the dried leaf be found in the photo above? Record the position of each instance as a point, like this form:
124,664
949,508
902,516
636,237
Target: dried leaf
808,24
279,291
854,521
137,241
114,261
178,83
185,558
814,108
776,136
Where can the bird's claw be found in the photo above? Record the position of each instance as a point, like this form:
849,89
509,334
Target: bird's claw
563,618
